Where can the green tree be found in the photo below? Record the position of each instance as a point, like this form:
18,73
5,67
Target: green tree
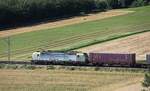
22,11
146,82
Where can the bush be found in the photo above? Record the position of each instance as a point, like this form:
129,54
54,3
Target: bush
72,68
96,68
101,5
50,67
61,67
11,66
146,82
31,67
2,66
138,3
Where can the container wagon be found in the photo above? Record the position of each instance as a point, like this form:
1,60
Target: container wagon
112,59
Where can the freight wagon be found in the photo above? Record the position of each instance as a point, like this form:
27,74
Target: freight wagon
112,59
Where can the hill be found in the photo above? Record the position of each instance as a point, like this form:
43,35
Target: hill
77,35
64,22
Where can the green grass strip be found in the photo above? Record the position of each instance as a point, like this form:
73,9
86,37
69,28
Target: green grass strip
104,40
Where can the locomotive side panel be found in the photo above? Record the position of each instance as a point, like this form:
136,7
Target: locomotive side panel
58,57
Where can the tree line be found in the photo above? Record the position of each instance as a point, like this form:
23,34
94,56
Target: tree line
13,11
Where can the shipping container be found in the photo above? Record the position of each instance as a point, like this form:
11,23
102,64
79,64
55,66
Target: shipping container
148,58
112,59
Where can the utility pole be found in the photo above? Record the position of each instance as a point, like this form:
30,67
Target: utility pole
8,42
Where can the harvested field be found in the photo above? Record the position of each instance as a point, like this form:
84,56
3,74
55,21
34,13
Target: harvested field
65,80
60,23
139,44
133,87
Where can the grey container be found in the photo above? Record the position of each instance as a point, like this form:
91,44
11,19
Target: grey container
148,58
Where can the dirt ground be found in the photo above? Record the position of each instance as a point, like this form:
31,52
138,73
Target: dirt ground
75,20
139,44
133,87
137,86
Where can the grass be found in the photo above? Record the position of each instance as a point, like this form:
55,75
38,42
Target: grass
72,68
77,35
65,80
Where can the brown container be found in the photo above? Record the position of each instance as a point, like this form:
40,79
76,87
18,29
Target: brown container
112,59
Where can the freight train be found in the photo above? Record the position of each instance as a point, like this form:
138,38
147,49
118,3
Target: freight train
79,58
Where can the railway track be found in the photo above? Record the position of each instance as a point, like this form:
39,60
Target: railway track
145,66
14,62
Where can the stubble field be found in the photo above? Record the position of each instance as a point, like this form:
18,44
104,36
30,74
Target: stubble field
65,80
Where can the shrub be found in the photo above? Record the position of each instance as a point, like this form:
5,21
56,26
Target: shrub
61,67
146,82
72,68
101,5
31,67
50,67
138,3
11,66
96,68
2,66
